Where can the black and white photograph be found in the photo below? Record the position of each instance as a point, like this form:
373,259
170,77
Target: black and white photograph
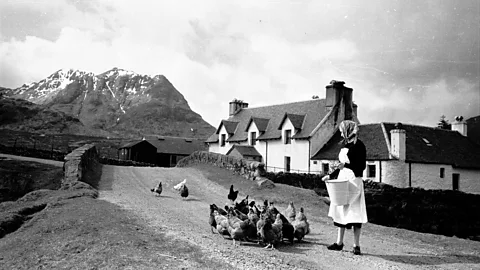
255,134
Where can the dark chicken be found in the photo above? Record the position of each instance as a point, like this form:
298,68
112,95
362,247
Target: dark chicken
232,195
157,190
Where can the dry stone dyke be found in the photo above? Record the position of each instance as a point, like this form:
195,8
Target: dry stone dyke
252,170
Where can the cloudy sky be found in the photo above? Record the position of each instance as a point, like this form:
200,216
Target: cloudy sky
408,61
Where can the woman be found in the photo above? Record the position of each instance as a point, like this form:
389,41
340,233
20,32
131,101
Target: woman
353,161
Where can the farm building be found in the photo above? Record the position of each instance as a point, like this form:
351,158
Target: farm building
140,151
163,151
414,156
245,152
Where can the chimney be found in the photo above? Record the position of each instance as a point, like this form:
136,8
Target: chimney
336,91
398,142
460,125
236,105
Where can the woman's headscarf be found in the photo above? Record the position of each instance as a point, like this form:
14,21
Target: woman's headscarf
349,130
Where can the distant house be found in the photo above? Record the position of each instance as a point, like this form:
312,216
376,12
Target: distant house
473,129
162,151
414,156
140,151
286,135
245,152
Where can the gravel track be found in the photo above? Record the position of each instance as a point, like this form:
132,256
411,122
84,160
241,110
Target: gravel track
383,247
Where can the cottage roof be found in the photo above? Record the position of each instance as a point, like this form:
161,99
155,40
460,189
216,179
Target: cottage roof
313,110
443,147
177,145
423,145
245,150
371,135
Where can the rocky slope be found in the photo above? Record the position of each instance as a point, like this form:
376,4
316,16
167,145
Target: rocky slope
117,101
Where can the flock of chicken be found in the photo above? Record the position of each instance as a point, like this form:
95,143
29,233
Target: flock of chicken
245,221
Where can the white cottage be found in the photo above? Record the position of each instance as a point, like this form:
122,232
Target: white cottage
286,136
414,156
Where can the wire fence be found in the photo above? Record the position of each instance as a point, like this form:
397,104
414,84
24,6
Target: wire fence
279,169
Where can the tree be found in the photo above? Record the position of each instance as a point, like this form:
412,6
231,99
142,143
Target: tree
443,123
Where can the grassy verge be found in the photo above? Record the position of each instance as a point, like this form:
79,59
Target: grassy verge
20,177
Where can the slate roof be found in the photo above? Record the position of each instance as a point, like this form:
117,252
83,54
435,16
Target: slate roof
131,144
313,110
447,147
178,145
370,134
443,147
245,150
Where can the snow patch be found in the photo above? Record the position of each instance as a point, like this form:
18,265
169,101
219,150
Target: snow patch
121,108
110,90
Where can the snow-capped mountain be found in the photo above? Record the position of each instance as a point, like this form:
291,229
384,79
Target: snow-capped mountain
117,101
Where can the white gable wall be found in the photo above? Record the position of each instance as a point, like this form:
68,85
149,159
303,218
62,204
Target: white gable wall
297,151
428,176
223,150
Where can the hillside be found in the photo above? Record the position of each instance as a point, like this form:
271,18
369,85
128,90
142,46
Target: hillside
120,102
22,115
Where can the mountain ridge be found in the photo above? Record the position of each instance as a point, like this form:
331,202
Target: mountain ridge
117,101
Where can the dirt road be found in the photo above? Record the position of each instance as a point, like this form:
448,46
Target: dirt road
383,248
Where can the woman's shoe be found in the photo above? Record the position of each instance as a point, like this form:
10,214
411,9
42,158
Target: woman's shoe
356,250
335,246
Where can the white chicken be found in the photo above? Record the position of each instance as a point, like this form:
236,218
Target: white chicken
180,185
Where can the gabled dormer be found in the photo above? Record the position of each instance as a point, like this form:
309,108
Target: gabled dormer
256,127
230,127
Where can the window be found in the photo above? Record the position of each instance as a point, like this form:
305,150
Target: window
287,164
253,138
427,142
288,136
371,171
455,181
222,140
442,172
325,168
315,162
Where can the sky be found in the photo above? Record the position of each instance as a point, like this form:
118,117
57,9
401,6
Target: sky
407,61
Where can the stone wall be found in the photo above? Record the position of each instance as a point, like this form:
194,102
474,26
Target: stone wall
82,165
249,169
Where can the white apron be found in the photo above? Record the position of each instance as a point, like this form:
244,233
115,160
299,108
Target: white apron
355,211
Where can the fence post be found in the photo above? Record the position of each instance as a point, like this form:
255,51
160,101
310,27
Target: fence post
51,152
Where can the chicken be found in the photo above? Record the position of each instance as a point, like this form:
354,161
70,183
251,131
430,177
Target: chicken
236,227
184,192
219,210
288,231
242,206
211,218
222,224
290,212
232,195
180,185
251,231
301,226
158,189
271,234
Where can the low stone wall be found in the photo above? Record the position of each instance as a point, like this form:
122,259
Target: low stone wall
252,170
82,165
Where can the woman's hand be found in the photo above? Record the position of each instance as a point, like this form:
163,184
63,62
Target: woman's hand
326,177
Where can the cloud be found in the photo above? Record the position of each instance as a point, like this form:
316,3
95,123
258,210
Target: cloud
265,53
